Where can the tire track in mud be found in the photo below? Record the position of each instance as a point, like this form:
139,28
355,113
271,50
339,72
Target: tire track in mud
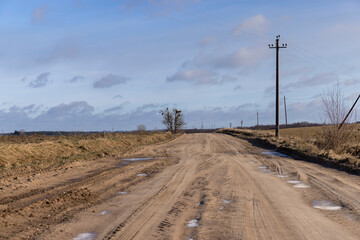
41,208
173,195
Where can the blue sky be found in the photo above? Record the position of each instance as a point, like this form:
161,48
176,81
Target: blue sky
103,65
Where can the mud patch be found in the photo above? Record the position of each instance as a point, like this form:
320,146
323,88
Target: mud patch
325,205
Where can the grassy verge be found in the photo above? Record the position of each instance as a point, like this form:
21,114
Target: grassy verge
299,148
39,152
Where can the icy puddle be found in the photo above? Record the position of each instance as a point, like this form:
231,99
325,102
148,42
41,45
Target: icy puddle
294,181
276,154
122,164
141,174
325,205
139,159
265,170
122,193
193,223
281,176
301,185
262,167
85,236
226,201
104,212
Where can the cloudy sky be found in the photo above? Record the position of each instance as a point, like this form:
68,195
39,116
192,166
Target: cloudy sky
113,64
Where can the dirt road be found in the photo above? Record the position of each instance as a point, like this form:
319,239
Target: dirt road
202,186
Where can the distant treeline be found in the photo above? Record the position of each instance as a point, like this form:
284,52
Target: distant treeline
194,130
61,133
292,125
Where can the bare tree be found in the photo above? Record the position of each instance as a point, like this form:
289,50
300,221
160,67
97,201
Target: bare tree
141,128
330,137
172,119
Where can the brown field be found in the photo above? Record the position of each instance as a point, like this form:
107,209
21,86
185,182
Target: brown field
303,143
41,152
201,186
308,133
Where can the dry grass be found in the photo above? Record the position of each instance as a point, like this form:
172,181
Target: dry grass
28,153
303,142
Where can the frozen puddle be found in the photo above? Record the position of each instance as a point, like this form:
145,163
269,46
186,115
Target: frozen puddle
294,181
139,159
122,193
104,212
301,185
193,223
281,176
226,201
141,174
122,164
276,154
325,205
85,236
262,167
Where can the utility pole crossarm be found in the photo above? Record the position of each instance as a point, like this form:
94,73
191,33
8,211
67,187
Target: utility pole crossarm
277,47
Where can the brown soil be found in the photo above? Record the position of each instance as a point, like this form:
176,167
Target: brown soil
211,178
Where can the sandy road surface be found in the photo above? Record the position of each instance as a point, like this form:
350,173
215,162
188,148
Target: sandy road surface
205,186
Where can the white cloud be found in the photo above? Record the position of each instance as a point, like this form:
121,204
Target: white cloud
195,75
256,23
243,57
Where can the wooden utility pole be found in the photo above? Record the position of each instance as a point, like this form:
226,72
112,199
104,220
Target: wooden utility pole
285,111
257,119
277,47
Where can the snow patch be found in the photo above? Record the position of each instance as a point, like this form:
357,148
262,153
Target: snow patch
85,236
193,223
122,193
325,205
294,181
281,176
301,185
141,174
